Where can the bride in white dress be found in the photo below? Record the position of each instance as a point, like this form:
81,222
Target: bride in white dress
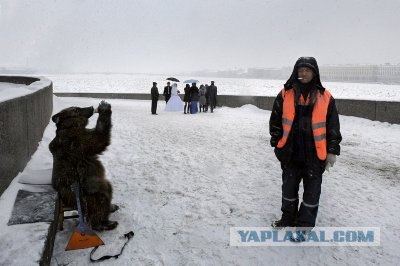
174,103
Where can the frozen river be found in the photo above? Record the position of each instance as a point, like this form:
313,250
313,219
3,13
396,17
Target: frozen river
119,83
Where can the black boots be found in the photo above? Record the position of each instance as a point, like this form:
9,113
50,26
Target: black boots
282,223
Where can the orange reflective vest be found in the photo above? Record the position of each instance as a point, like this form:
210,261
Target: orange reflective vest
318,118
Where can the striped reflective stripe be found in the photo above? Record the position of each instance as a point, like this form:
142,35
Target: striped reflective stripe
285,133
287,121
320,137
309,205
318,125
294,199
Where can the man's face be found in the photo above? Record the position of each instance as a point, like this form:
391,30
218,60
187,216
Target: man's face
305,74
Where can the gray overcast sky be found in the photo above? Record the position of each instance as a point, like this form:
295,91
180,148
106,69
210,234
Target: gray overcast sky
163,36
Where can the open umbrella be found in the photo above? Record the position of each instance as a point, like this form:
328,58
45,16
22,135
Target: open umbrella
191,81
173,79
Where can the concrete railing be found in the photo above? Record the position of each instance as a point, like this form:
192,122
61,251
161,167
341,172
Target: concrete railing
373,110
22,122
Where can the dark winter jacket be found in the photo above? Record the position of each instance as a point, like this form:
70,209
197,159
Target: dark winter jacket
194,93
167,91
300,144
212,94
154,93
186,97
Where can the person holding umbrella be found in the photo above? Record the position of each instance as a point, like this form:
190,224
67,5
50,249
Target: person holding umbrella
188,95
168,88
194,96
187,99
167,92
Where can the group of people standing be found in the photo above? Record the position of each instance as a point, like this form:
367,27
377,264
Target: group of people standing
195,99
200,99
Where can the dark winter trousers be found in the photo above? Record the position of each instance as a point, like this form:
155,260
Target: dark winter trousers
187,104
212,105
154,106
293,173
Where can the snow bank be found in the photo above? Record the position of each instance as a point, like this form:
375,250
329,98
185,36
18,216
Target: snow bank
11,90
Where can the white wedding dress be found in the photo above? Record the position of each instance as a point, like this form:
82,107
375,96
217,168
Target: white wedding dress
174,103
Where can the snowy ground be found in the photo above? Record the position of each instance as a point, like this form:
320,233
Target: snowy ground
136,83
183,180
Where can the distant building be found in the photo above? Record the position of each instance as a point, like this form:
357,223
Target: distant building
341,73
389,73
350,73
361,73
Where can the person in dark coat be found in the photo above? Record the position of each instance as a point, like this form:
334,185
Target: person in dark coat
207,98
194,96
187,100
305,132
167,92
212,96
154,98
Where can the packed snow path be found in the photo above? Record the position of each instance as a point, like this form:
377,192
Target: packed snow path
183,180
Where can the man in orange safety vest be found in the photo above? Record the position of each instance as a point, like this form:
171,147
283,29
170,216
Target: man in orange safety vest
305,132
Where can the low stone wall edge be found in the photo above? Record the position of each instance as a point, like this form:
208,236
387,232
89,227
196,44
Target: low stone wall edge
22,122
374,110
